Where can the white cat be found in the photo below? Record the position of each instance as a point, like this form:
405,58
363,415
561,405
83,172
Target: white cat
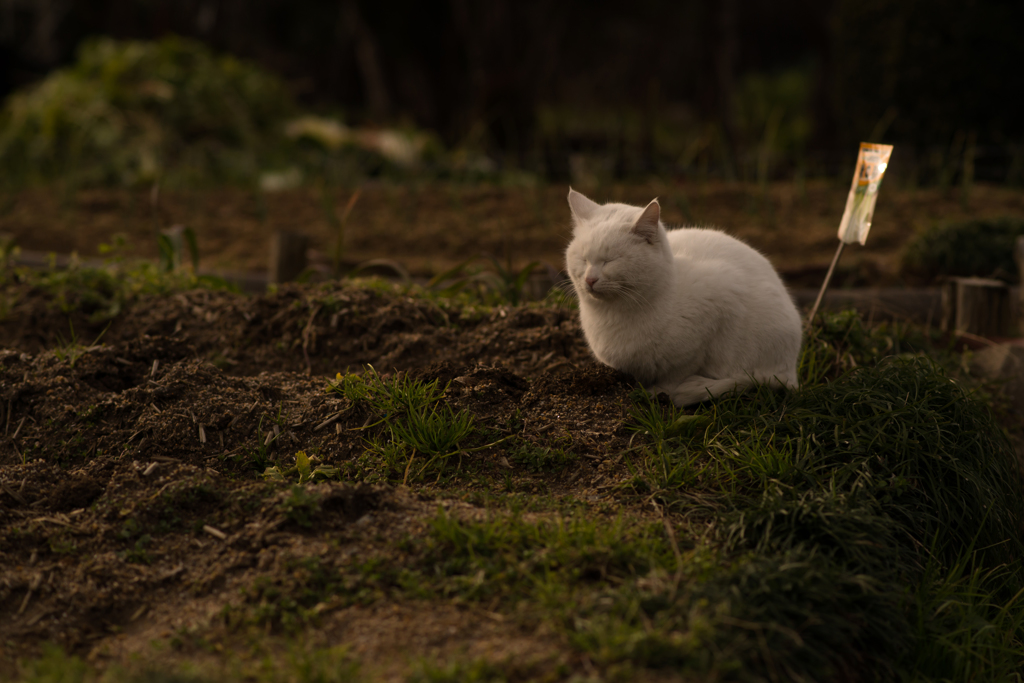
691,312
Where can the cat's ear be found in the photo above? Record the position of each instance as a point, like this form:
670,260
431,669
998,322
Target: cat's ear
582,208
647,225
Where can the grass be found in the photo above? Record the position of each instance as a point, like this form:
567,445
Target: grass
101,292
622,595
541,459
841,495
415,421
301,663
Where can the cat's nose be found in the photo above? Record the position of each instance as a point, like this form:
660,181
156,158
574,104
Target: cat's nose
591,281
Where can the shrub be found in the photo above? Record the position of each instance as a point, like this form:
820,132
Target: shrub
979,247
126,111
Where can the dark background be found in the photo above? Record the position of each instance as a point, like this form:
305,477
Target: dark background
936,77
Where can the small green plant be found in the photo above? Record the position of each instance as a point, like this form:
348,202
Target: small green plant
304,469
259,457
353,387
97,292
72,351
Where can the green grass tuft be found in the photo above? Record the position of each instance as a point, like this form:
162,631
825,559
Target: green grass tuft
415,419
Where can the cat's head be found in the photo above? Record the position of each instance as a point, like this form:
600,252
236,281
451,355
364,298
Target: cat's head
618,253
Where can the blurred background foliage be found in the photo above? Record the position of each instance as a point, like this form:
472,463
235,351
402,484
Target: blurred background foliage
978,247
569,90
125,112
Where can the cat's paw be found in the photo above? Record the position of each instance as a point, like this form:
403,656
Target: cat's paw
697,389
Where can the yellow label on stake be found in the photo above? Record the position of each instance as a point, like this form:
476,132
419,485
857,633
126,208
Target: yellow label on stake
860,204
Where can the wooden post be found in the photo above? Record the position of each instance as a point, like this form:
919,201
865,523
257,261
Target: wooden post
977,306
287,256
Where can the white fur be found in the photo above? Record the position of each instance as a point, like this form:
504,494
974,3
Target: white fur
691,312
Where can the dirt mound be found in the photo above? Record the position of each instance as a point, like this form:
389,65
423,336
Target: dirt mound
317,330
133,503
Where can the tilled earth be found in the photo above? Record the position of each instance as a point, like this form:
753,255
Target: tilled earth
133,509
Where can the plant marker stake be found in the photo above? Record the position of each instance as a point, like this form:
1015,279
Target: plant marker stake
824,285
872,160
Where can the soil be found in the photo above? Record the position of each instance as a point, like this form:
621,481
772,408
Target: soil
153,431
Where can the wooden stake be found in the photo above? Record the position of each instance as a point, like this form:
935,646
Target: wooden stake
824,285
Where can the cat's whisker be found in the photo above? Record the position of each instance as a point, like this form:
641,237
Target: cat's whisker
638,297
567,288
562,292
631,293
